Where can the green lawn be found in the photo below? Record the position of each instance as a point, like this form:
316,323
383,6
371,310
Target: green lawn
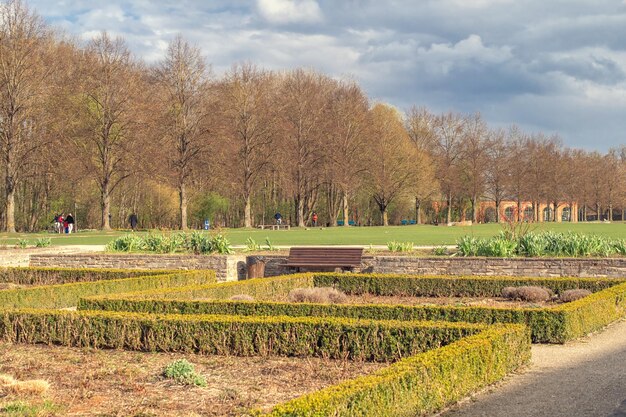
419,235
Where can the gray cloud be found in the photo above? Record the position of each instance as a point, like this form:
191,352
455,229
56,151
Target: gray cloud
555,66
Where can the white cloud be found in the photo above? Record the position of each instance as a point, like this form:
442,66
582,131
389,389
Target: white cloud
290,11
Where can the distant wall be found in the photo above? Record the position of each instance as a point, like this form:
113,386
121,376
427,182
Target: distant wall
233,267
226,267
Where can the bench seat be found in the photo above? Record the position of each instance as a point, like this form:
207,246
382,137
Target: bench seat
326,257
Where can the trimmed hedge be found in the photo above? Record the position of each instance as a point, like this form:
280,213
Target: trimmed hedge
449,286
68,295
548,325
337,338
51,276
420,384
259,288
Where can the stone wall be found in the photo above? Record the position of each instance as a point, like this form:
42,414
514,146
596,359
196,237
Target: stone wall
233,267
226,267
533,267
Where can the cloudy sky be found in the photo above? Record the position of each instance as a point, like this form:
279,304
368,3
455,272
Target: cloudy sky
555,66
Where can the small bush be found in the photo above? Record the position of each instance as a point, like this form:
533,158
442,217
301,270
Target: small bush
573,295
183,372
440,251
126,243
251,245
43,242
394,246
318,295
242,297
21,243
527,293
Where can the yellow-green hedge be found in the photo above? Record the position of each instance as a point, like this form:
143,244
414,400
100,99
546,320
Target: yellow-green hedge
548,325
421,384
338,338
449,286
67,295
51,276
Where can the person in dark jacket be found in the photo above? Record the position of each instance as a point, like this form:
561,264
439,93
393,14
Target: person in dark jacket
133,221
70,223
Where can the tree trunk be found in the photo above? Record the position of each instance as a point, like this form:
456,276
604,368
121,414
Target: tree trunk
344,205
474,211
182,193
418,214
610,212
10,207
449,213
519,215
106,210
383,211
247,212
300,211
598,215
498,217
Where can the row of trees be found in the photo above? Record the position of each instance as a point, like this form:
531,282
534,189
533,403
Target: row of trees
94,130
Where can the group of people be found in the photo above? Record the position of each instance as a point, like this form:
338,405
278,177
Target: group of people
63,223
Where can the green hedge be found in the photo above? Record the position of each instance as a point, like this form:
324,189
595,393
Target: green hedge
449,286
421,384
68,295
338,338
51,276
548,325
260,288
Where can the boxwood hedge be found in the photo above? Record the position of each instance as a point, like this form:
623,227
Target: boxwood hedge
50,276
68,295
555,324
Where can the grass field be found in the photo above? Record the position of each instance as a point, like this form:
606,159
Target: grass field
420,235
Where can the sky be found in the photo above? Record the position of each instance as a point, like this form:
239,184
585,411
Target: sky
551,66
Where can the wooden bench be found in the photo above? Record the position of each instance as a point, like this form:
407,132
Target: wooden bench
325,258
274,226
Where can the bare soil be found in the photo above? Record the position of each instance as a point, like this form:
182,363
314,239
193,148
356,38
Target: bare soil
453,301
89,382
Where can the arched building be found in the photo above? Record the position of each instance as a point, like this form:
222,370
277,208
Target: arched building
565,212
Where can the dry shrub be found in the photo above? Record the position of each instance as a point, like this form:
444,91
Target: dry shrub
242,297
32,387
320,295
527,293
6,380
573,295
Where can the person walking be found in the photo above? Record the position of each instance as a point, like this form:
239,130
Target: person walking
133,221
278,218
314,218
61,221
70,223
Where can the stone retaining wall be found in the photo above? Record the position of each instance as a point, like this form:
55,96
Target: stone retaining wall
226,267
233,267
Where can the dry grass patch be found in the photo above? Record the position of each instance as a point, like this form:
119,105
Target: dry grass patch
92,382
320,295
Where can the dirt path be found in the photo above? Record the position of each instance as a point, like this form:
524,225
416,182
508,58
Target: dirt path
21,257
580,379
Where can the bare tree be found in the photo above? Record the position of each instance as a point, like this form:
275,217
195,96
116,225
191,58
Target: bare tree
473,160
107,128
250,121
449,131
24,40
183,78
497,169
345,139
393,164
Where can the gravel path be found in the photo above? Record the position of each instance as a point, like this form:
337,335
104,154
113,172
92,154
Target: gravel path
21,257
579,379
